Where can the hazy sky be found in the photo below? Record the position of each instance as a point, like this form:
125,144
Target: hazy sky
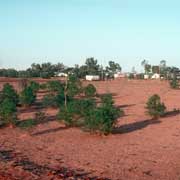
69,31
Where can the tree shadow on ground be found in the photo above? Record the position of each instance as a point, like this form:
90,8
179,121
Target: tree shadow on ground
125,105
103,94
33,108
128,128
30,123
172,113
30,109
40,171
47,131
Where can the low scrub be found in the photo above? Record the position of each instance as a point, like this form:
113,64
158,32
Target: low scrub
155,107
34,86
8,92
8,102
174,84
8,112
27,96
49,100
27,124
104,117
92,116
75,110
90,90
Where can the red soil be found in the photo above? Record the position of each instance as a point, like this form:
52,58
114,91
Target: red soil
138,149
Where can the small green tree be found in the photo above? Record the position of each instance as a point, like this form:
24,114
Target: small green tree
104,117
75,111
155,107
74,86
90,90
27,96
8,92
174,83
55,86
34,86
50,100
8,111
66,116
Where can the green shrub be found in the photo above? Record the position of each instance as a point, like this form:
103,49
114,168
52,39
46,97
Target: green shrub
27,124
34,86
43,86
55,86
66,116
107,100
8,92
50,100
155,107
8,111
90,90
75,111
27,96
45,75
174,84
74,86
104,117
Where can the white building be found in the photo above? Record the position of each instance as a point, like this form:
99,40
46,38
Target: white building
61,74
146,76
155,76
119,75
92,77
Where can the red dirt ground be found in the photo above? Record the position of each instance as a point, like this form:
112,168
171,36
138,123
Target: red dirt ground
138,149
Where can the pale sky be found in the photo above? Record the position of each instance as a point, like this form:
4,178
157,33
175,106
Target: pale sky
69,31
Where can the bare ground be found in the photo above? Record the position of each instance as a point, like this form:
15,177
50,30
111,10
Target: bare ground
138,149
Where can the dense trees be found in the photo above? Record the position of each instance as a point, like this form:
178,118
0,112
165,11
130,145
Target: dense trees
113,67
44,70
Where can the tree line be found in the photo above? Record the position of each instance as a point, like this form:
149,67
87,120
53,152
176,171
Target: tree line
48,70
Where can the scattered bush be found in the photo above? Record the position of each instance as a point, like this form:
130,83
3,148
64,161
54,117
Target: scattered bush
75,111
55,86
27,96
8,111
90,90
174,84
104,117
49,100
66,116
74,86
34,86
43,86
155,107
27,124
8,92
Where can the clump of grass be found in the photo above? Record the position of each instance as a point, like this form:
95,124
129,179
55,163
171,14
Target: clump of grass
27,124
